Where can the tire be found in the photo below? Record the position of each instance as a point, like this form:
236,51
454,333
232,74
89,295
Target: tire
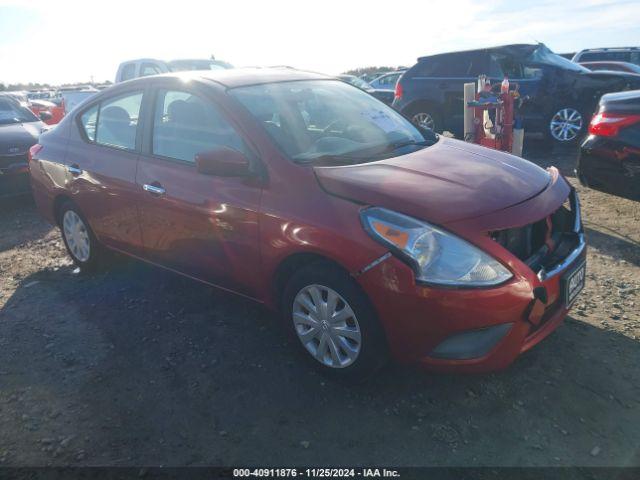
426,111
349,357
75,232
565,125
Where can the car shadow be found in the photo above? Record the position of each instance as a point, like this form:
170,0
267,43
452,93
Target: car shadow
17,213
615,245
136,365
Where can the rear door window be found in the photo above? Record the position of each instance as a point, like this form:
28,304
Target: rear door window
117,121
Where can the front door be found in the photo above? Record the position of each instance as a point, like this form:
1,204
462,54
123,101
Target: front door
200,225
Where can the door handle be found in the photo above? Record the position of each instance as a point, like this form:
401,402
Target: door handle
74,169
153,189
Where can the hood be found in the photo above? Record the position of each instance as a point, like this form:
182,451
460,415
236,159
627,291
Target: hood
18,137
447,182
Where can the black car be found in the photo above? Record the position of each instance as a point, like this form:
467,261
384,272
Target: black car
610,156
616,54
559,95
19,130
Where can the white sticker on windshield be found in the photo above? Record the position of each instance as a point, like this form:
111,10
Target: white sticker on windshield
381,120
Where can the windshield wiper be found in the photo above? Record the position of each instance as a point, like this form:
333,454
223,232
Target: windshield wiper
405,143
364,155
327,159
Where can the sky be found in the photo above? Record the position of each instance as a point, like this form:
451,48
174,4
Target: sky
63,41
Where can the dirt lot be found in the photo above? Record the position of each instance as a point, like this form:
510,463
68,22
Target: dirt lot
136,366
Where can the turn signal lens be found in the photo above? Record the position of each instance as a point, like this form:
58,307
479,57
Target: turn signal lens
392,235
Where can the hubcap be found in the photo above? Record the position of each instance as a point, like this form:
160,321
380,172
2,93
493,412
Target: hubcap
424,120
327,326
76,235
566,124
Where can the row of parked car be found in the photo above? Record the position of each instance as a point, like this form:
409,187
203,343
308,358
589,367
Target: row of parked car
559,95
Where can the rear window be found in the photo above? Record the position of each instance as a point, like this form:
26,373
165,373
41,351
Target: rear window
621,56
128,71
149,69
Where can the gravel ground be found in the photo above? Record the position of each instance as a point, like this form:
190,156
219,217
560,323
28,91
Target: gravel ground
137,366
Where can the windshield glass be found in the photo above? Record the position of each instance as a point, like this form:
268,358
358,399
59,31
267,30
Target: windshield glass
12,112
329,120
543,55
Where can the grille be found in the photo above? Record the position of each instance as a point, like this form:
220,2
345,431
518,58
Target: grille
544,243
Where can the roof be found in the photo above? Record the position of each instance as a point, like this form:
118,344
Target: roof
518,49
240,77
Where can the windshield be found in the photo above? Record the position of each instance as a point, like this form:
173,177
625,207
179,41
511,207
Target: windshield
12,112
545,56
330,120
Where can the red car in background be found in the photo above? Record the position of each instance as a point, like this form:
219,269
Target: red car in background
371,236
56,111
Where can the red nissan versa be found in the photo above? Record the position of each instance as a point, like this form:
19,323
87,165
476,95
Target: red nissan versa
372,237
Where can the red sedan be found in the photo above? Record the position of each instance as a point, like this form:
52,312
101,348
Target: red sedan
372,238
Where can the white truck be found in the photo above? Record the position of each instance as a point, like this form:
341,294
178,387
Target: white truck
151,66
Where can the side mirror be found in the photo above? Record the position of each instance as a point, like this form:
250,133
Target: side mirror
44,116
223,162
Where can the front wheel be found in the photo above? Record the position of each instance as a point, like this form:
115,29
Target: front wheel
566,125
334,322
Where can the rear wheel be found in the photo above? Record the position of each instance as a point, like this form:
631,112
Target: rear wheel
81,243
334,322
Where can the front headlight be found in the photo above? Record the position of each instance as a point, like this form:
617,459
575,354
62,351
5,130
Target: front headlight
437,256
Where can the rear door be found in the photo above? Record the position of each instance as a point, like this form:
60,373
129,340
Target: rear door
101,167
200,225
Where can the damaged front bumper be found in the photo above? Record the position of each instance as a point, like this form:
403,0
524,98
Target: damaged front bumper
475,329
